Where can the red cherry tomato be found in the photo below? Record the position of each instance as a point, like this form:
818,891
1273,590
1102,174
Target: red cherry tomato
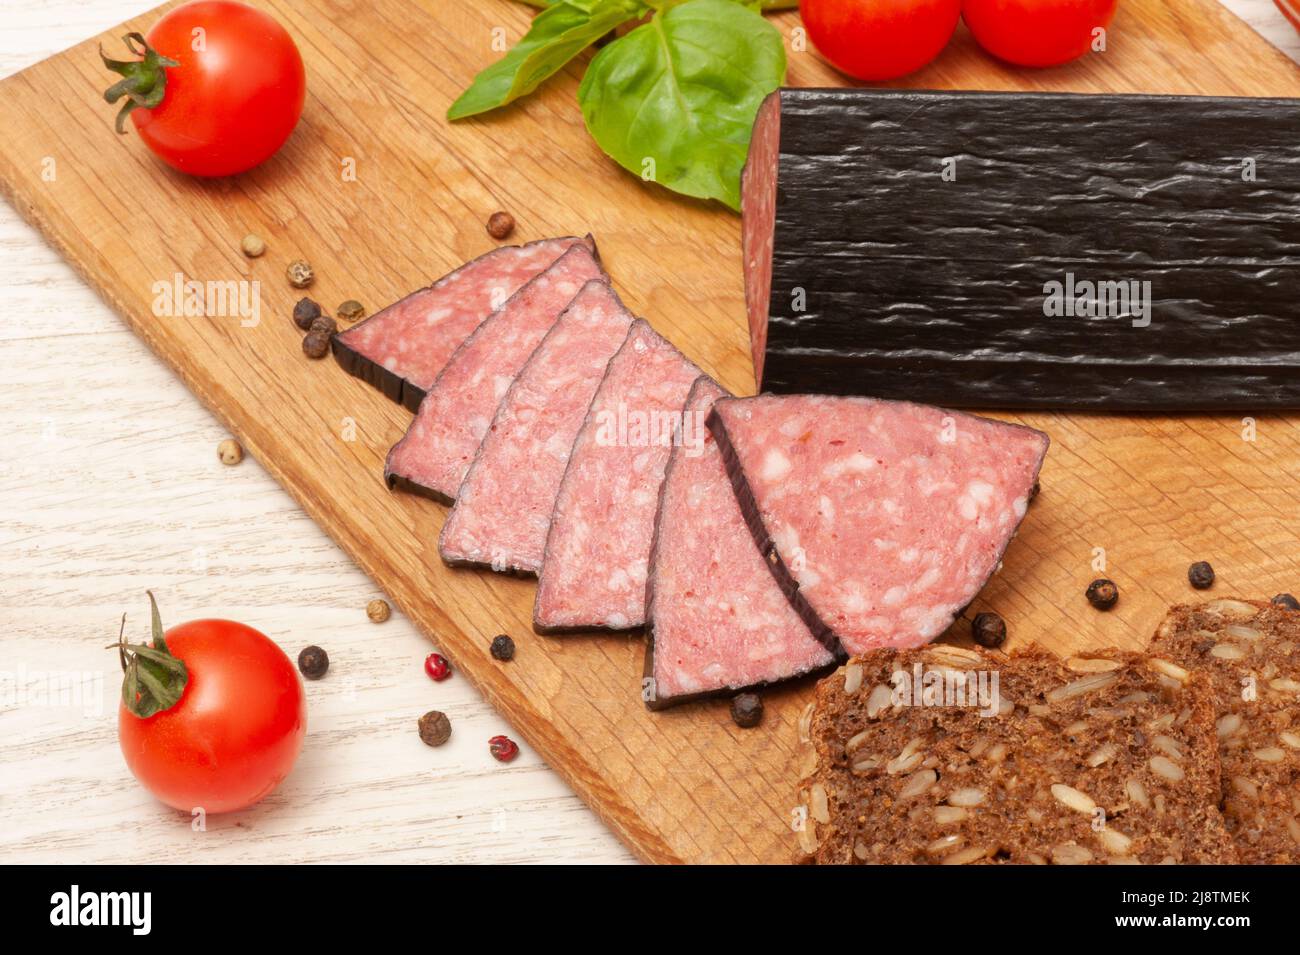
236,94
880,39
1037,32
237,729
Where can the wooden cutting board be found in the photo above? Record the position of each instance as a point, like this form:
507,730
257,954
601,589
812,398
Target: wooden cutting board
684,785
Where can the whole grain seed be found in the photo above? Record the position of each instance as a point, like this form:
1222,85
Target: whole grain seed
918,783
1232,609
1172,670
808,840
881,699
947,815
1270,754
856,742
805,724
943,844
1200,575
1087,684
953,656
967,796
1168,745
1290,738
1245,787
1137,793
1245,633
1227,651
1115,842
819,803
1228,724
966,856
1092,664
1071,854
1072,798
1102,754
1166,768
852,678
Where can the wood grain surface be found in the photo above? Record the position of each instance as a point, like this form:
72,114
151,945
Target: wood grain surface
679,786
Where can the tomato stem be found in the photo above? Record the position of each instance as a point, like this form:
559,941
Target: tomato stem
153,679
144,81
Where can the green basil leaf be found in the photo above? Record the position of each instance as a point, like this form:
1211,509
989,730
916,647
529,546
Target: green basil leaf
557,35
674,100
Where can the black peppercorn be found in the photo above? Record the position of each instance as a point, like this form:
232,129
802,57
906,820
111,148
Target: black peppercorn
1200,575
747,710
1287,601
989,630
503,648
1102,593
435,728
305,312
313,662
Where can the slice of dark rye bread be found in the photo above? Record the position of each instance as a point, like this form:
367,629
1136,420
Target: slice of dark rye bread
1250,651
1110,757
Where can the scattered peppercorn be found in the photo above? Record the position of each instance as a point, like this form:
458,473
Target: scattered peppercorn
324,325
436,665
435,728
500,225
1102,593
230,452
252,246
1200,575
378,610
316,345
989,630
313,662
299,273
351,310
1287,601
503,648
747,710
503,748
305,312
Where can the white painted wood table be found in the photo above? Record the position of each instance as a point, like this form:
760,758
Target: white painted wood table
110,484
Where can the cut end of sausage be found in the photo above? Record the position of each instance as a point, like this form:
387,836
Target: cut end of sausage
758,222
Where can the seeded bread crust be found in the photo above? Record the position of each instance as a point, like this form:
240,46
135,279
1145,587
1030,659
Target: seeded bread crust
1250,651
1110,758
